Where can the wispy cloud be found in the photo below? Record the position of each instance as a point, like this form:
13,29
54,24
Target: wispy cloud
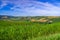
33,8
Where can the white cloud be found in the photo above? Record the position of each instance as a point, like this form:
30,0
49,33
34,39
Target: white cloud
35,8
3,4
40,8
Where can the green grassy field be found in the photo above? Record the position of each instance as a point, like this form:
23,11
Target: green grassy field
17,30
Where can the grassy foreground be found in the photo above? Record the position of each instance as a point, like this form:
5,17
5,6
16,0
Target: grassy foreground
12,30
50,37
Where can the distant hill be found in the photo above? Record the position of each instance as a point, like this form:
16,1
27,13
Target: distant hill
6,16
23,18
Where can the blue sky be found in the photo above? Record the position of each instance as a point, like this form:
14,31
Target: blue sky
30,7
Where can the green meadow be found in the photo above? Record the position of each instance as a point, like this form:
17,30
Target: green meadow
26,30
